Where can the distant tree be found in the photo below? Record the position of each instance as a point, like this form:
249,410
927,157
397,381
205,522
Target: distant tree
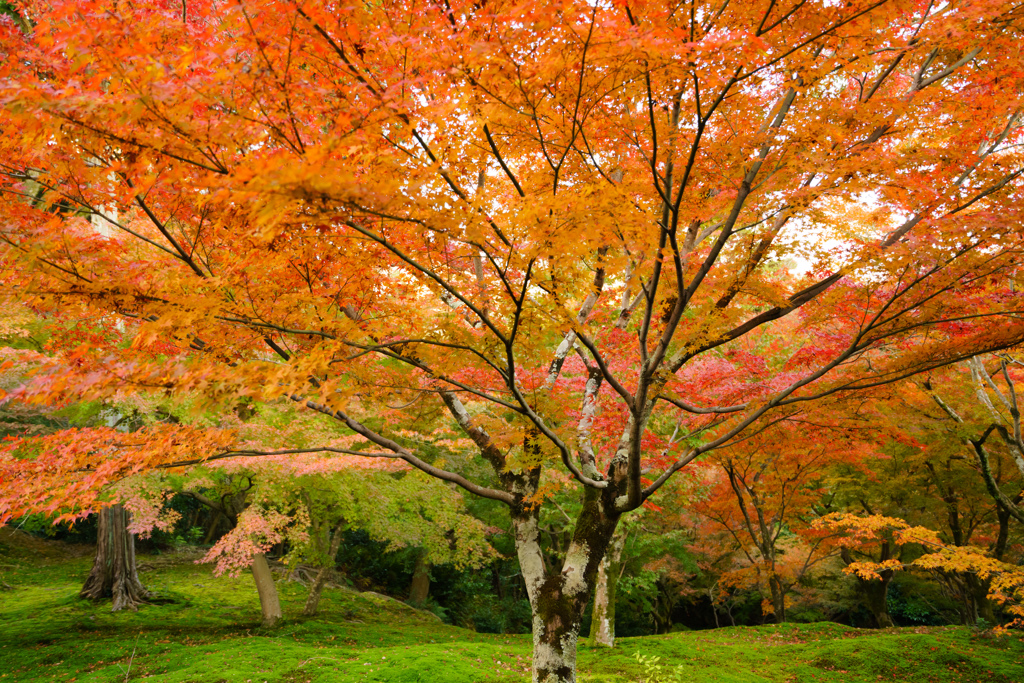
766,495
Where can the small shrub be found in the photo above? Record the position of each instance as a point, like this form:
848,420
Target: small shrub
654,672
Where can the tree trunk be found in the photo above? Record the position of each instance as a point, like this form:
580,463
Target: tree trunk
313,599
558,599
778,599
714,607
662,619
602,623
269,603
315,590
875,592
420,587
876,597
978,589
113,571
214,525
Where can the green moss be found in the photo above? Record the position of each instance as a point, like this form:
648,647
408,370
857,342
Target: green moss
207,631
822,652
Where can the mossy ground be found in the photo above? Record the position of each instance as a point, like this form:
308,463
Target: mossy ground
207,632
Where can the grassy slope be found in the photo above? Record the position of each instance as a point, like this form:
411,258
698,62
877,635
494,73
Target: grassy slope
210,634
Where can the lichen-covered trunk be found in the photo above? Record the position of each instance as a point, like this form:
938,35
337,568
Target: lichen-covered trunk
419,588
558,598
602,623
270,605
113,573
556,629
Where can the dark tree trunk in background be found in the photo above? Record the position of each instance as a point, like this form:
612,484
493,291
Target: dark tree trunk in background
875,592
778,598
113,572
419,589
211,531
876,597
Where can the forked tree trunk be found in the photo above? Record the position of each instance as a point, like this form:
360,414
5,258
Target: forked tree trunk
602,623
558,599
313,599
419,589
316,589
270,605
113,573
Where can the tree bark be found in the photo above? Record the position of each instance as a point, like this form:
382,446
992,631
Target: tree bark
419,589
875,592
778,598
714,609
978,589
214,525
602,623
313,599
270,605
113,573
876,597
315,590
558,599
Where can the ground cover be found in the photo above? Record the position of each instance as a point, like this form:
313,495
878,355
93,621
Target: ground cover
205,630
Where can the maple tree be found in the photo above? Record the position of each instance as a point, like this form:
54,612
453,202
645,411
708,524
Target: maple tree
1004,581
113,574
311,501
765,496
978,480
887,482
559,223
995,398
925,471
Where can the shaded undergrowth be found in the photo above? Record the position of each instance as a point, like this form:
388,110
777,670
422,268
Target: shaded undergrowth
206,631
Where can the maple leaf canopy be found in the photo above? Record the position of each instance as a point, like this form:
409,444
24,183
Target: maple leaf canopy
560,224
